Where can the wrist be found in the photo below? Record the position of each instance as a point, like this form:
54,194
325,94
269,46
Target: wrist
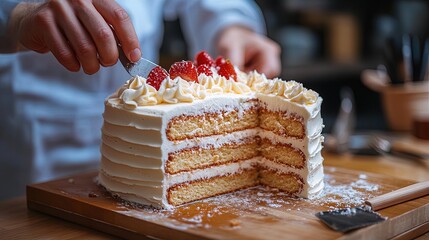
13,30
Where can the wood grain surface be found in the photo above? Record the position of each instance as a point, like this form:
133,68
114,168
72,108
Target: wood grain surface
257,213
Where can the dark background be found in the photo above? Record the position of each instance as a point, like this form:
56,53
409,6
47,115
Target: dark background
326,44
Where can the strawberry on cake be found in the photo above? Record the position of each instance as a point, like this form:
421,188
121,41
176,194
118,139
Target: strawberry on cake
204,129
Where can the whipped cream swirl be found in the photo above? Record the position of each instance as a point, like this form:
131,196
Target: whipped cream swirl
290,90
179,90
136,92
218,84
256,80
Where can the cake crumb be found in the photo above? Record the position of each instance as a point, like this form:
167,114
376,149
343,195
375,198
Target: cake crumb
363,176
70,180
92,195
234,223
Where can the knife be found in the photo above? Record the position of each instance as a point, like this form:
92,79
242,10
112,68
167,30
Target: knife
141,68
344,220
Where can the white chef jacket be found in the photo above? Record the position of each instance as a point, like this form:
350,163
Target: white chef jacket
50,118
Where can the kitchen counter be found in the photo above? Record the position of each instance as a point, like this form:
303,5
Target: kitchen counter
18,222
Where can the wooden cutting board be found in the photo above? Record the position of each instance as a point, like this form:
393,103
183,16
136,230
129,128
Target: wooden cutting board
257,213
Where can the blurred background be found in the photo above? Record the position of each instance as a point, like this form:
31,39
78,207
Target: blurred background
326,44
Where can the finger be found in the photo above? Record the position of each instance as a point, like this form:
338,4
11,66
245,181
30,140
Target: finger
57,44
61,50
78,37
100,32
273,67
264,63
235,53
265,59
251,59
121,22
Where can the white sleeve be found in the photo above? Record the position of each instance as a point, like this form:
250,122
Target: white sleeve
202,20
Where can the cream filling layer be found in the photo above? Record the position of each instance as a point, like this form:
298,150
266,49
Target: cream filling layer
313,178
147,177
155,178
207,173
123,139
122,143
309,146
146,184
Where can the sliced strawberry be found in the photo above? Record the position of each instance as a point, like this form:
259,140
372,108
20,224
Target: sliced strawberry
185,70
156,76
219,61
203,58
204,69
227,70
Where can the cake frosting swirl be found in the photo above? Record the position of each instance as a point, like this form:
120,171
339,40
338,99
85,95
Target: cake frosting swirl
136,91
219,84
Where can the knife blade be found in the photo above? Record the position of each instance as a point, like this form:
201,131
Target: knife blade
141,68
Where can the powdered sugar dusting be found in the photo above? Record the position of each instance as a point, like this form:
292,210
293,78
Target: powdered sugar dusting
263,204
340,195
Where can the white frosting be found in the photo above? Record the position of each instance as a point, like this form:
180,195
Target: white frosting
136,92
290,90
135,146
218,85
179,90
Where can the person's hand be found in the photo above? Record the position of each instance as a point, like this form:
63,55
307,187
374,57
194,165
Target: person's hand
249,50
78,33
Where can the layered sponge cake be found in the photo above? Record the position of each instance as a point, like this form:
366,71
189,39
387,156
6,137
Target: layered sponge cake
199,132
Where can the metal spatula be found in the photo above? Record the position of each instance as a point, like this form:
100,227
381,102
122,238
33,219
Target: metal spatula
344,220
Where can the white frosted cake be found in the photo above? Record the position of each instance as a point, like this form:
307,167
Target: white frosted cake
199,132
